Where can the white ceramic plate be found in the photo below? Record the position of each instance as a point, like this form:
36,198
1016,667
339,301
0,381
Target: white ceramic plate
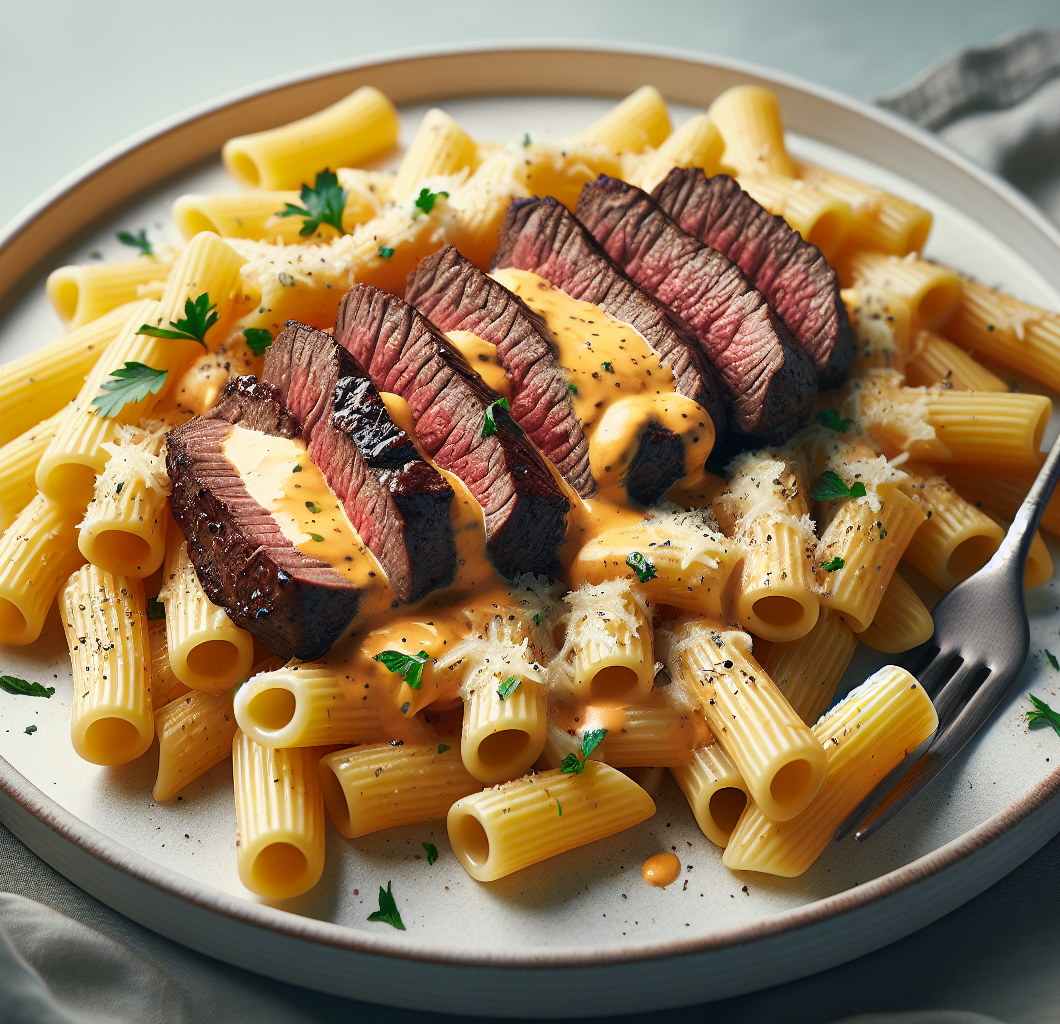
580,934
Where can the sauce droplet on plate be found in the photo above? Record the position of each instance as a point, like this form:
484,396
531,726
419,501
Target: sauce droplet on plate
661,870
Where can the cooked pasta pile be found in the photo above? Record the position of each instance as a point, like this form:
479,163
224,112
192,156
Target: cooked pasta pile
705,630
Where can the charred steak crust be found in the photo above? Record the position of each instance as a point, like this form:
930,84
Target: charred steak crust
404,353
770,378
397,502
297,605
456,296
790,272
544,237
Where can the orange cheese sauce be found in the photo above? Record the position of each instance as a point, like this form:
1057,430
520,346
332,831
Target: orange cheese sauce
661,870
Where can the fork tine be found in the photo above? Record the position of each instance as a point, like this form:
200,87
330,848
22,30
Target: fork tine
948,700
949,741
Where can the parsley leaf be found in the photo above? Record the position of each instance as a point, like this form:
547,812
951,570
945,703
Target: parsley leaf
1041,712
386,251
316,537
134,383
508,687
572,388
388,910
257,338
606,364
559,807
426,200
643,567
137,241
831,487
30,729
571,765
537,620
490,426
321,204
313,506
119,488
526,139
1052,659
835,563
833,421
443,747
297,468
432,852
24,688
408,666
155,609
197,320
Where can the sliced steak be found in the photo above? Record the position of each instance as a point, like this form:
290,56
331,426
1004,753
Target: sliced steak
404,353
297,605
396,501
542,236
770,379
790,272
456,296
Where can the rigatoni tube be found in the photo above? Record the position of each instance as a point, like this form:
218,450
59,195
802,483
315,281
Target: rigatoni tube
84,293
195,732
18,467
697,143
902,621
441,147
510,827
715,792
105,620
931,289
748,117
639,121
865,737
776,753
279,818
381,786
934,360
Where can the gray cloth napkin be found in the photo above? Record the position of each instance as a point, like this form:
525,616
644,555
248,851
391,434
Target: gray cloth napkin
67,959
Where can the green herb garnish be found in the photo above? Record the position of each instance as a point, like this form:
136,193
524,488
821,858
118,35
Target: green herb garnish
426,200
297,468
489,427
321,204
432,852
508,687
643,567
833,421
537,620
313,506
571,765
831,487
137,241
606,364
316,537
443,747
408,666
24,688
155,609
257,338
197,320
835,563
118,489
1041,712
31,729
134,383
386,251
388,910
572,389
1052,659
526,139
559,808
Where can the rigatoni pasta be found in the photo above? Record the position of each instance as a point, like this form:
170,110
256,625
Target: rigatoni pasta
195,732
715,792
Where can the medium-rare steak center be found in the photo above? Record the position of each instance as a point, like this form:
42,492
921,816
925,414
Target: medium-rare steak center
790,272
771,380
462,425
297,603
397,502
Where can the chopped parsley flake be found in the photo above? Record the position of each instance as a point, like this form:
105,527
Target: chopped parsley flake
388,911
316,537
432,852
607,366
537,620
1041,712
426,200
489,427
835,563
155,609
571,764
443,747
30,729
297,468
559,808
408,666
831,487
138,241
643,567
24,688
321,204
313,506
833,421
120,487
508,687
1052,659
386,251
258,339
526,139
572,389
132,382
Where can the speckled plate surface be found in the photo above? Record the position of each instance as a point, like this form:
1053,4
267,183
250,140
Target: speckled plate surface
580,934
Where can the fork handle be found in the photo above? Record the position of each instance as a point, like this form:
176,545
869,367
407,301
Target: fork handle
1017,541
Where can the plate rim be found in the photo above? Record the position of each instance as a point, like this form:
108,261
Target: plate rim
68,827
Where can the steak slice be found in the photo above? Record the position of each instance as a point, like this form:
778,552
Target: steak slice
770,379
404,353
544,237
456,296
297,605
396,501
790,272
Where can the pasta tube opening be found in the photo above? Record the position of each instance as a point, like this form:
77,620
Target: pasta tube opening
715,791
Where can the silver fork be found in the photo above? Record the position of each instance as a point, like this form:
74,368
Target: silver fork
979,647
